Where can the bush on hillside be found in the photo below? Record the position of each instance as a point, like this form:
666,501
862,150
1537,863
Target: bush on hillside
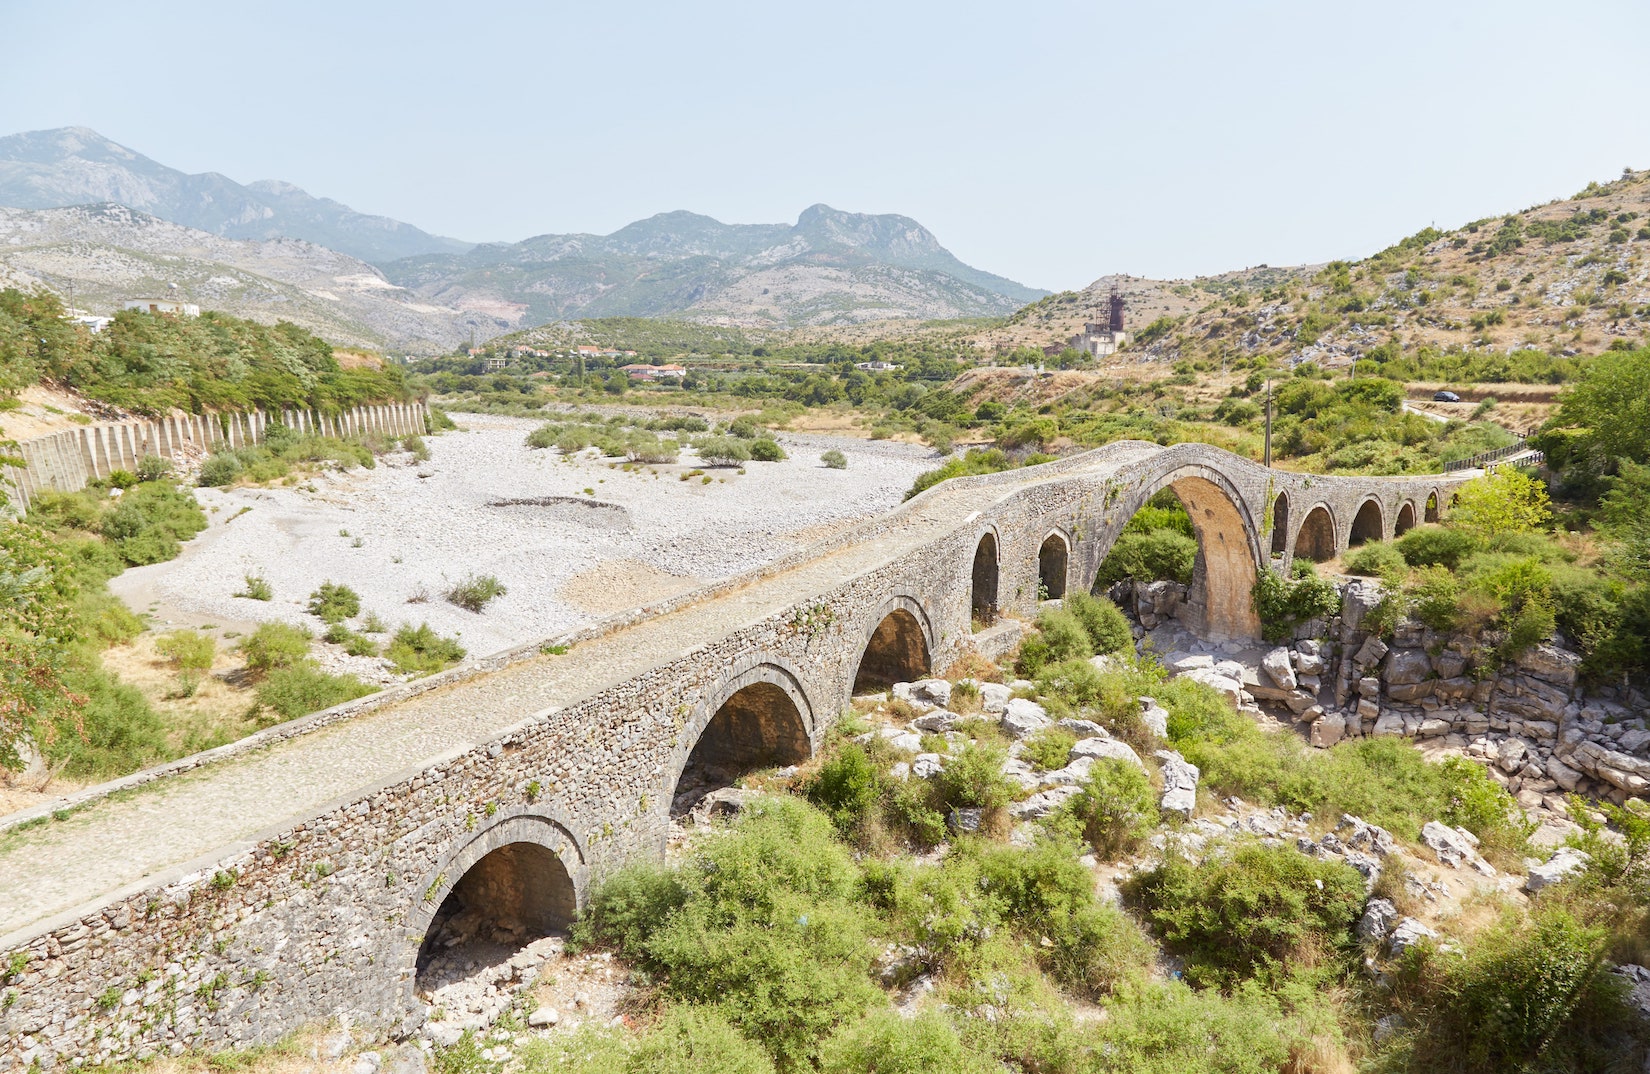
1284,604
766,449
1116,811
1376,559
301,688
1257,912
1160,555
834,460
475,591
722,451
1060,636
1108,629
275,645
188,650
150,522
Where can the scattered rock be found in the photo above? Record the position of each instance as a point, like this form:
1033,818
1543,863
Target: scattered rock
1179,784
1023,718
1279,668
1407,934
1454,847
1106,747
1566,862
1377,921
544,1016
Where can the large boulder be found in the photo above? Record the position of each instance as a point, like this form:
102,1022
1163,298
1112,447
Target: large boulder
1279,668
1231,689
938,722
1155,717
1551,663
1406,666
994,697
1454,847
1328,729
1095,748
1565,862
1377,921
1043,803
1407,934
1179,784
1023,718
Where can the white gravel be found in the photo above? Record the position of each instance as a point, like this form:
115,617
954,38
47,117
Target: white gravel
426,525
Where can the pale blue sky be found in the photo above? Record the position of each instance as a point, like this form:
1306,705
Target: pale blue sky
1051,143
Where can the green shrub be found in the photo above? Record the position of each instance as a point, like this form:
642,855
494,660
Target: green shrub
189,650
1108,629
1049,748
153,468
275,645
1521,996
475,591
422,650
301,688
1282,605
1167,1028
722,451
1116,810
545,436
744,428
766,449
1258,911
1435,598
1158,555
1376,559
684,1039
150,521
846,788
886,1043
973,779
256,587
1436,546
1061,636
765,925
220,468
334,602
834,460
353,643
415,445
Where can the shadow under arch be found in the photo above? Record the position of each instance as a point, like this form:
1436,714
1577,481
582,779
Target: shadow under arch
519,879
1229,555
1280,524
1053,565
1430,512
1405,520
897,645
1316,539
759,717
982,596
1368,524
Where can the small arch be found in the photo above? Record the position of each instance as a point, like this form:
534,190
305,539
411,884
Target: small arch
983,594
1316,540
1366,524
1431,512
511,884
1280,524
1052,560
897,649
760,725
1405,521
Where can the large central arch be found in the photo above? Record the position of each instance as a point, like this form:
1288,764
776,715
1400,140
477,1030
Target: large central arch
1228,551
762,719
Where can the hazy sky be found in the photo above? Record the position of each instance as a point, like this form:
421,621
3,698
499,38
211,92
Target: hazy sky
1050,142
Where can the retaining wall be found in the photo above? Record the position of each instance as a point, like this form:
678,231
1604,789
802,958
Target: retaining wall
69,460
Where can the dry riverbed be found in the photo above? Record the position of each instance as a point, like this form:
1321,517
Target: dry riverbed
571,539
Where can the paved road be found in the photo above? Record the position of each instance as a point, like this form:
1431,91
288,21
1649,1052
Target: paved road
117,842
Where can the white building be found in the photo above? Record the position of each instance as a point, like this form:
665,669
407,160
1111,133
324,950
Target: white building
164,305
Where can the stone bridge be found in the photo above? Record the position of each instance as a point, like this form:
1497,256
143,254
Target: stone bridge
305,872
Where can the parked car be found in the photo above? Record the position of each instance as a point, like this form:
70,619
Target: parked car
1445,397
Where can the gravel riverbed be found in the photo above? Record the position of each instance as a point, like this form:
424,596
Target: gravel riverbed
571,539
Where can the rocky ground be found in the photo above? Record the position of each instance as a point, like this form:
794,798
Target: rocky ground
571,539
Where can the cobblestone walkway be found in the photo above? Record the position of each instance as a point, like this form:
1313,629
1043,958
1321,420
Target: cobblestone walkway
117,842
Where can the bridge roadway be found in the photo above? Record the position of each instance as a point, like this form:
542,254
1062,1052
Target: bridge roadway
115,845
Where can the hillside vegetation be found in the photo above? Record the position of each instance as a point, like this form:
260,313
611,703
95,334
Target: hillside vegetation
151,364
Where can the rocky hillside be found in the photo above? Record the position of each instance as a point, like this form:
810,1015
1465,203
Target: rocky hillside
1568,277
76,166
830,268
102,255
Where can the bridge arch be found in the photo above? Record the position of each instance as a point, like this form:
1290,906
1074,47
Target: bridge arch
1368,524
896,645
1405,520
985,575
1316,539
1229,556
758,716
520,878
1280,524
1430,513
1054,564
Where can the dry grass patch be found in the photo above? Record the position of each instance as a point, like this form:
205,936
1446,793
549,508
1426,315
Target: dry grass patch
217,711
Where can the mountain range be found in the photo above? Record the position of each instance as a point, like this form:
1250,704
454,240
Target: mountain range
830,268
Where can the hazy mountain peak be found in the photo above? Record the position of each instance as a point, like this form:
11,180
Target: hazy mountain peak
78,166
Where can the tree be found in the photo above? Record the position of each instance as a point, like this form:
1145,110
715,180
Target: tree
1506,501
1606,415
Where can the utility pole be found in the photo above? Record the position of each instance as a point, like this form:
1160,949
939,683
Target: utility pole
1268,424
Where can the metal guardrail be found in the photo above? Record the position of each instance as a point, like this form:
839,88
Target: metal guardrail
1484,457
